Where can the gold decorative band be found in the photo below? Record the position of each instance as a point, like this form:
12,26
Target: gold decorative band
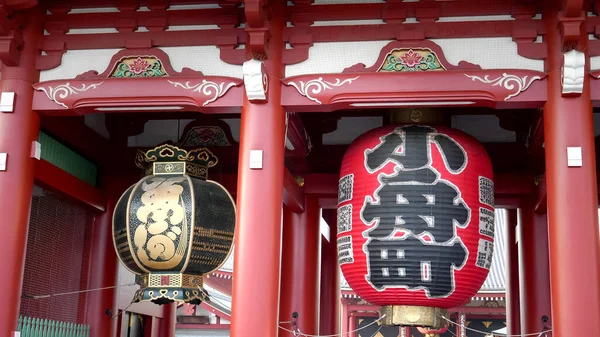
167,168
170,281
406,315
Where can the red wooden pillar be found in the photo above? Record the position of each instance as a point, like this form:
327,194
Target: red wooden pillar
300,267
103,264
259,203
169,320
18,130
461,326
513,305
535,275
344,319
329,322
572,199
352,323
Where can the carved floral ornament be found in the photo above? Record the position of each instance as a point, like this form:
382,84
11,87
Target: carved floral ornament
412,59
140,66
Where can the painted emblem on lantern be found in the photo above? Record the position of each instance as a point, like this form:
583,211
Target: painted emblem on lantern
161,218
415,209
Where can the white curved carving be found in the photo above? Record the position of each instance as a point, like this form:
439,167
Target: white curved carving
60,92
256,81
573,72
210,89
510,82
317,85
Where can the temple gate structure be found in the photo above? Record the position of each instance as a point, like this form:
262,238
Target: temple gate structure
277,90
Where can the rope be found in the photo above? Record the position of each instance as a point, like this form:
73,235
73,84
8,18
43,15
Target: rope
76,292
485,333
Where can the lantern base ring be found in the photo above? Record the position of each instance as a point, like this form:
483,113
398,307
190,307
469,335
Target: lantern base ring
407,315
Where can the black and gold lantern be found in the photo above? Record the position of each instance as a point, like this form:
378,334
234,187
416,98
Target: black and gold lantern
174,225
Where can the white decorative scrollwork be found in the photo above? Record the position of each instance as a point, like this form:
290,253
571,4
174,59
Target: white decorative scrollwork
509,82
60,92
256,81
209,89
317,85
573,72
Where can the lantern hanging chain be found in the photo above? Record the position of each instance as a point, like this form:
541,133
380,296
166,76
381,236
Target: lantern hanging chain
537,334
297,332
76,292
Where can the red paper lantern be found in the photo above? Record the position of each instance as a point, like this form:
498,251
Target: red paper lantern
416,216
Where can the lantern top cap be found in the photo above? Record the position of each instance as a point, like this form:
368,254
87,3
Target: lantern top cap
200,158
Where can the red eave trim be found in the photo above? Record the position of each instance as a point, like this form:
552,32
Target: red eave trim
55,179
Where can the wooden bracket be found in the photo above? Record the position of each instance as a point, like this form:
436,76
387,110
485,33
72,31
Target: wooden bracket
570,27
257,27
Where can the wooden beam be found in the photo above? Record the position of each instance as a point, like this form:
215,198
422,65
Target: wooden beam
506,184
509,188
293,195
216,311
297,136
541,196
184,326
73,132
54,178
479,310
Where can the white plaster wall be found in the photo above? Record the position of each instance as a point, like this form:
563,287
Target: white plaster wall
489,53
204,58
75,62
595,63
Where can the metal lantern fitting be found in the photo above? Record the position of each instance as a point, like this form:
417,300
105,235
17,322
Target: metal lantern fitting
174,225
415,221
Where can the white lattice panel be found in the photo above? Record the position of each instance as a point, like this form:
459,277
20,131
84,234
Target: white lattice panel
489,53
334,57
205,59
75,62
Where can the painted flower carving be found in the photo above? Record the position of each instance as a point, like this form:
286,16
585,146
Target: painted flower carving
411,59
139,66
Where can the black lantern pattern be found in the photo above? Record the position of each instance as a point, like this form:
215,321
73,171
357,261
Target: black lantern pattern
174,225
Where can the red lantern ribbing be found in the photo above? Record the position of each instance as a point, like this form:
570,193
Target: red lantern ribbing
415,221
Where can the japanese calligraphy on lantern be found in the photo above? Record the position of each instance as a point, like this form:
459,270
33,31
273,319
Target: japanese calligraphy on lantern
345,254
415,207
415,201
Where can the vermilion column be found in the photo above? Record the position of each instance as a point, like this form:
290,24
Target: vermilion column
344,318
513,312
168,322
352,323
103,264
572,200
535,276
255,302
300,267
18,130
329,322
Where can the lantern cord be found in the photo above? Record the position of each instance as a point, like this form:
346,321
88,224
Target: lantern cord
76,292
537,334
297,332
